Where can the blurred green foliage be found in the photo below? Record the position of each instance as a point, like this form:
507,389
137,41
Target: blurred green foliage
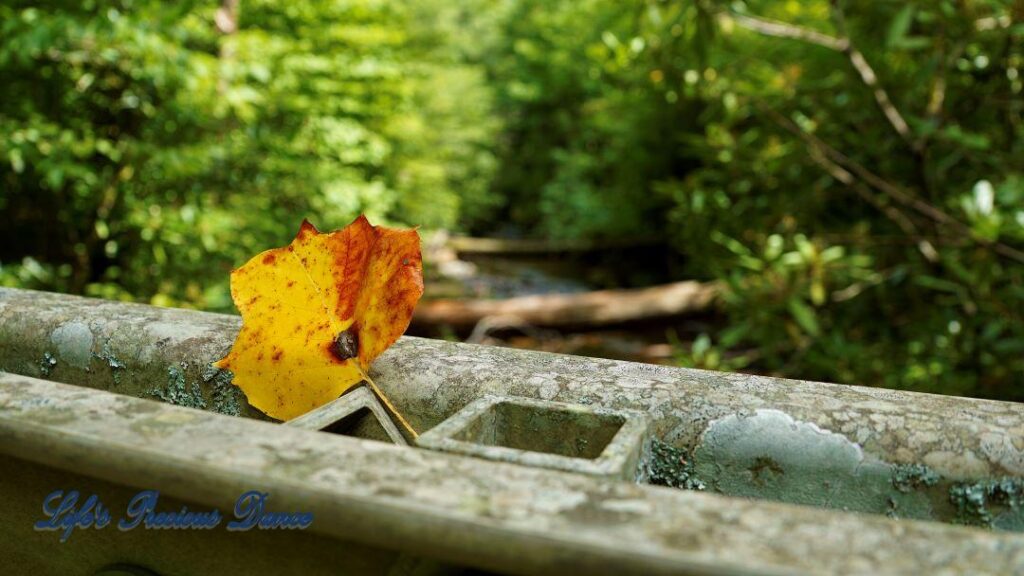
852,171
146,151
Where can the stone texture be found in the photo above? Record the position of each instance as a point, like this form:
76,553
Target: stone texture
165,354
467,511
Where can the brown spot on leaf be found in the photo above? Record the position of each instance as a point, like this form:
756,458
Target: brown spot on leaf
346,345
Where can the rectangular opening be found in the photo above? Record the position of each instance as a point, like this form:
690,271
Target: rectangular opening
563,432
361,424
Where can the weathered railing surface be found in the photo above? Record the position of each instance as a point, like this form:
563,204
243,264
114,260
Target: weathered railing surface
904,454
459,510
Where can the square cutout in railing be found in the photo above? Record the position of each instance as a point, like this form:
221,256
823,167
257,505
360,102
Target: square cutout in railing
571,437
357,412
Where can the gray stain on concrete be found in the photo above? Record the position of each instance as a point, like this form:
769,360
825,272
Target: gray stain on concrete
766,453
74,343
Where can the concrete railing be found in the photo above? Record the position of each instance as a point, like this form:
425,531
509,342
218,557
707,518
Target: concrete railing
903,454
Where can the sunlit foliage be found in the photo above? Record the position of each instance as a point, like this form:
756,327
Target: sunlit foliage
853,171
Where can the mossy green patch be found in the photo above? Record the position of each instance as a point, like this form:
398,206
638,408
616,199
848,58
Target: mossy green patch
47,364
995,502
178,391
115,365
670,466
226,396
910,477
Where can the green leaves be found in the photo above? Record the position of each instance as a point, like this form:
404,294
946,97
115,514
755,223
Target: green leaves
900,25
804,316
146,153
899,38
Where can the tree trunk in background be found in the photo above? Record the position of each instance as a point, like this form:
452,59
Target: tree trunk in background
226,19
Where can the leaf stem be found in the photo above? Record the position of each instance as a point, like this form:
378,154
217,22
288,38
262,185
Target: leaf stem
387,403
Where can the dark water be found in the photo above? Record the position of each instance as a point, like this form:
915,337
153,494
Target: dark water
508,278
630,267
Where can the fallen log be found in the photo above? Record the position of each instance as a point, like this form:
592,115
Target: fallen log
588,309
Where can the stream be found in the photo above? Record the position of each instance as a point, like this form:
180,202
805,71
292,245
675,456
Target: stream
498,277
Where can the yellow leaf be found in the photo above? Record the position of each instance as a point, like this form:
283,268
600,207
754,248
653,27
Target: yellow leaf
315,313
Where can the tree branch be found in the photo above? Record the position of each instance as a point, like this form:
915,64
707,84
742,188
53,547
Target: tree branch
891,212
870,79
783,30
226,20
839,43
896,193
